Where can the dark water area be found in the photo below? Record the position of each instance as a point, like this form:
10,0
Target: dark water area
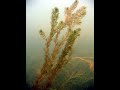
28,87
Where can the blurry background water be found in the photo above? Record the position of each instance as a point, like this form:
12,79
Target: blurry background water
38,13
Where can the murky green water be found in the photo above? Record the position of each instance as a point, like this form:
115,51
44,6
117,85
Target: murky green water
38,13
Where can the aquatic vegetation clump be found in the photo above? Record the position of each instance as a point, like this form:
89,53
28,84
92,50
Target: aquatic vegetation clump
49,70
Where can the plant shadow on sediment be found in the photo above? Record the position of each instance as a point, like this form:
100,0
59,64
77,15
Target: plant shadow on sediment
76,75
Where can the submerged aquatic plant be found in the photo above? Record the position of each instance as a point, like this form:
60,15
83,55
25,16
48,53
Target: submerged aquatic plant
50,69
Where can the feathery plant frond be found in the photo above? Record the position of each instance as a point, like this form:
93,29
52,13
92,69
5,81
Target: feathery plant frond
54,18
50,69
42,34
